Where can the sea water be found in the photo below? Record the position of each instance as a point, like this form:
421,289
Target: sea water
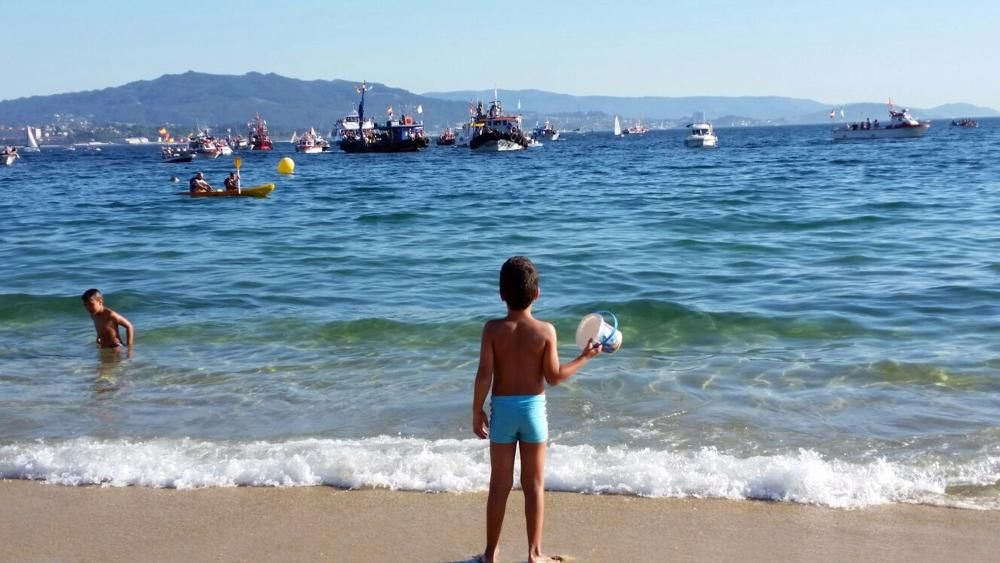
805,320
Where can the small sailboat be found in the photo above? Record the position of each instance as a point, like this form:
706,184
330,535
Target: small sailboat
32,141
618,127
295,137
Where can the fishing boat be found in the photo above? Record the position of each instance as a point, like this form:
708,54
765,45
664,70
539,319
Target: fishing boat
258,137
394,135
618,127
701,135
546,132
311,143
446,138
901,126
637,128
494,131
8,156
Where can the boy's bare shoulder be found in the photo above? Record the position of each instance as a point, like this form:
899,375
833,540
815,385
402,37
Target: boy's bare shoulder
492,325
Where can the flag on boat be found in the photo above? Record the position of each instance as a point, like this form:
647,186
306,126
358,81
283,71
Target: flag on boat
420,109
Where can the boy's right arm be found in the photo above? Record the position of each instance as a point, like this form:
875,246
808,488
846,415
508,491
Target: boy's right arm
555,373
484,380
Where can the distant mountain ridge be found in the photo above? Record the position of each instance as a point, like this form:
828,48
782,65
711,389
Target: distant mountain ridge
211,100
792,110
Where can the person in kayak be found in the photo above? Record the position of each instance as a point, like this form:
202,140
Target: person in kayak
198,184
232,182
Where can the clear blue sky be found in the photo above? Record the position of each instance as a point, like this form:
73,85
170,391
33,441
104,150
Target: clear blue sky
920,52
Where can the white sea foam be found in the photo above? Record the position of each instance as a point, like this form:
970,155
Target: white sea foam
463,465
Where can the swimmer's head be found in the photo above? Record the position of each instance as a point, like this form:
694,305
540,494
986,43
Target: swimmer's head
518,282
93,301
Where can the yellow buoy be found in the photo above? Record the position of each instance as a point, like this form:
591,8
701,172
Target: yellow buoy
286,166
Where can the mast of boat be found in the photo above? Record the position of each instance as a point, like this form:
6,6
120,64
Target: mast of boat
361,106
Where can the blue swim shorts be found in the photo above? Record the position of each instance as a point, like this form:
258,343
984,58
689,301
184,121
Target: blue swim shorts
518,418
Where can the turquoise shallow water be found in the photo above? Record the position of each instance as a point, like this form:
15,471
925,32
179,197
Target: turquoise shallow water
804,320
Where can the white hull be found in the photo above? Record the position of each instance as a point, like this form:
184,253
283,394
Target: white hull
548,136
309,150
206,155
226,151
8,159
701,141
502,145
881,133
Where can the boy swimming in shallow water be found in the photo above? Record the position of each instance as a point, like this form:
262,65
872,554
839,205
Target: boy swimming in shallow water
518,356
106,321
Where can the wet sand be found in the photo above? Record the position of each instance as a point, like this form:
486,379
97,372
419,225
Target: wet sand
56,523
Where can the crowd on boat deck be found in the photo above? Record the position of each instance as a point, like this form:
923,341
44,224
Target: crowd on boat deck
865,125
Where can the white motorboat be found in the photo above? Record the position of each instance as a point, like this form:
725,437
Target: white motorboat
901,126
351,126
701,135
311,143
464,134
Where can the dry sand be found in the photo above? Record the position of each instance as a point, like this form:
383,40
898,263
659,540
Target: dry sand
40,522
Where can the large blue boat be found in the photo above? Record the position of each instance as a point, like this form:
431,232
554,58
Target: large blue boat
403,135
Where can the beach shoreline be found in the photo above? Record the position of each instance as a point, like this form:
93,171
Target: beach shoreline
51,522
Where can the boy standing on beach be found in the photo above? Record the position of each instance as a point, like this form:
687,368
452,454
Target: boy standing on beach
518,356
106,321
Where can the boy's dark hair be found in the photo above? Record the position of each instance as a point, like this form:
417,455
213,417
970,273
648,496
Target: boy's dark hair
90,294
518,282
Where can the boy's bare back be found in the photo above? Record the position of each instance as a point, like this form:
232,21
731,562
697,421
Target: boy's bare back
106,324
520,346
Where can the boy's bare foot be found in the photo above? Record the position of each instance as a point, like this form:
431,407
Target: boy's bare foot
548,559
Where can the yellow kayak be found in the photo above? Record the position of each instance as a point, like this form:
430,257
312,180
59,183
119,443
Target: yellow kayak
255,191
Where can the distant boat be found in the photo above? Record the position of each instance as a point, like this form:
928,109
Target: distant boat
32,142
259,138
637,129
295,137
446,138
901,125
546,132
311,143
702,135
618,127
966,122
176,153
